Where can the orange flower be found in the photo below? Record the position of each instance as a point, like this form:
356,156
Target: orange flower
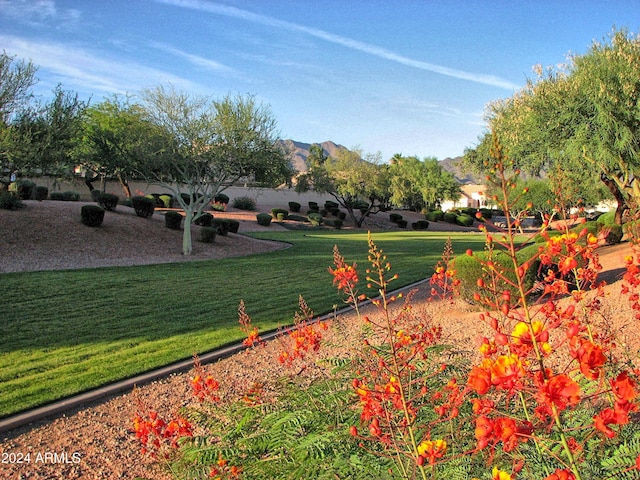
623,388
506,371
561,475
590,357
432,450
497,474
480,377
560,391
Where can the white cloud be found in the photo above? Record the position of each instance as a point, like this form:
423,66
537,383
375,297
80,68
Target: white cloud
194,59
352,44
79,69
39,12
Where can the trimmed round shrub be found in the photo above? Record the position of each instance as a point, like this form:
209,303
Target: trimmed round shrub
487,213
402,223
395,217
234,225
208,234
608,218
167,200
264,219
221,225
57,196
465,220
337,224
329,204
279,213
324,212
204,220
297,218
313,206
420,225
434,216
40,193
144,206
342,216
186,198
244,203
9,200
469,270
221,198
294,207
70,196
108,201
22,188
450,217
95,194
315,218
173,220
92,215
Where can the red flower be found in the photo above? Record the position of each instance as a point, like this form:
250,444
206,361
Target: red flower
590,357
560,391
561,475
480,378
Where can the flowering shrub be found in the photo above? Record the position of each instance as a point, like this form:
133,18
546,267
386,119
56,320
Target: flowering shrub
548,394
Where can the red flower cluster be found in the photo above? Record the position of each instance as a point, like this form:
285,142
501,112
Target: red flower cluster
157,435
203,386
491,431
251,332
345,276
624,394
222,470
303,338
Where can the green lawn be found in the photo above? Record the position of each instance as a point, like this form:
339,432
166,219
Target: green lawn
69,331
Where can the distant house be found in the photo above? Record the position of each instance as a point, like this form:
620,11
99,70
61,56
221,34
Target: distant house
473,196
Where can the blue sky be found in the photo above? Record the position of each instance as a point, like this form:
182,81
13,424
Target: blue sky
396,76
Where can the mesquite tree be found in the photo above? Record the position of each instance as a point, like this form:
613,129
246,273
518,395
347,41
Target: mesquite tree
213,143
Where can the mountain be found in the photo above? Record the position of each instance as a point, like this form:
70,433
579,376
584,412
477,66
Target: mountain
300,152
456,168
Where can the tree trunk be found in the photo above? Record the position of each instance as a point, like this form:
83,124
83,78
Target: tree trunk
187,244
125,186
617,195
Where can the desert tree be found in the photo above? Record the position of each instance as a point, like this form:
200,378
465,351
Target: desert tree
213,144
357,182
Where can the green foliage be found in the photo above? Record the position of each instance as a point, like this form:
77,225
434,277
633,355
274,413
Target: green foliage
57,196
204,220
167,200
244,203
70,196
608,218
420,225
143,206
208,234
221,198
297,218
173,220
395,217
315,218
313,206
22,188
40,193
402,223
450,217
294,207
9,201
233,225
221,225
92,215
304,435
434,216
471,268
108,201
264,219
465,220
615,234
279,213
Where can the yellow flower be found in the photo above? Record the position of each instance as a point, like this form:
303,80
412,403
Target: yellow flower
500,475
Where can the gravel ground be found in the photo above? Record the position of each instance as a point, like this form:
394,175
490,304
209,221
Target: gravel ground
95,441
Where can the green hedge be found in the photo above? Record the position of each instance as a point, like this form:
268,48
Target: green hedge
144,206
92,215
108,201
9,201
469,269
264,219
173,220
204,220
208,234
244,203
294,207
315,218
